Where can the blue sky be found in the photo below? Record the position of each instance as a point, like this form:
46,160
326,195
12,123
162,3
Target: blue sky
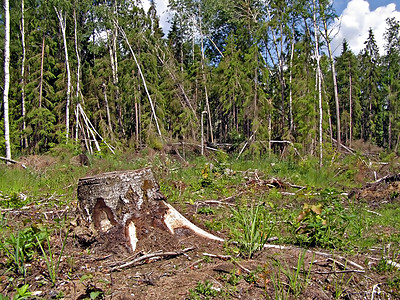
355,19
340,5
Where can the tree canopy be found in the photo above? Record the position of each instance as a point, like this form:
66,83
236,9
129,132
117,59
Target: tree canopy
96,73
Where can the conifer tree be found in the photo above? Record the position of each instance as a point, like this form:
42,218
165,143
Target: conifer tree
349,90
371,103
391,63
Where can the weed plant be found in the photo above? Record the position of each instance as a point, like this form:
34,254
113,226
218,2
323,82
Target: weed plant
52,261
20,293
203,290
297,279
323,224
21,247
255,227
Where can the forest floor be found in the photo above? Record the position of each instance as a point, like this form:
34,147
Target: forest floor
319,258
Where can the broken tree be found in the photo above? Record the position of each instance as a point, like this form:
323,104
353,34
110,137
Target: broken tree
127,208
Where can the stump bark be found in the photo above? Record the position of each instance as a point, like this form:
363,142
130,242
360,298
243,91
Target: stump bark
127,207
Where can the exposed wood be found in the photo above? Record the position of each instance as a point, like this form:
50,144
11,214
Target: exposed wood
127,208
336,272
62,18
155,255
245,145
13,161
387,178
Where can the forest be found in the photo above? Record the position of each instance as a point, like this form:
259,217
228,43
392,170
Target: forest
237,156
102,74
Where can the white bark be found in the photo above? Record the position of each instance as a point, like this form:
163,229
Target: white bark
78,58
205,81
335,88
351,109
6,77
290,85
23,138
77,76
62,19
319,79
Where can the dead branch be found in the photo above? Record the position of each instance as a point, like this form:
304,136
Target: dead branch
227,257
280,247
180,156
151,255
348,149
287,142
393,264
245,145
210,202
223,257
195,145
387,178
13,161
337,272
338,256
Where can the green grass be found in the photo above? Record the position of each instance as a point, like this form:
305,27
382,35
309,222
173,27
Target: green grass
329,219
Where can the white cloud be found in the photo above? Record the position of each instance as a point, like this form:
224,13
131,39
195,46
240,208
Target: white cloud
355,22
162,11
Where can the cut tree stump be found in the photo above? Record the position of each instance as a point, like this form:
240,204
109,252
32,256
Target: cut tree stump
127,207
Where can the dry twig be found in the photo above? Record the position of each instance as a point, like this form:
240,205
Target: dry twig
151,255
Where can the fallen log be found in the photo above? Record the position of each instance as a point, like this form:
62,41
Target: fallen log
127,207
9,160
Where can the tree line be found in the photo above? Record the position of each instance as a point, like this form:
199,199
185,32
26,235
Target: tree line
103,74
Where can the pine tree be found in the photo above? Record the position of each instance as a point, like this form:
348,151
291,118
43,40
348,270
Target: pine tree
391,63
349,91
371,101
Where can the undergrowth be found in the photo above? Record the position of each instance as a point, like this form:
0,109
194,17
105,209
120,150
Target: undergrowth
293,200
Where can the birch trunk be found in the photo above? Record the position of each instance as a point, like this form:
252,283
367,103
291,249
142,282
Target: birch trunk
104,86
78,71
6,77
335,88
351,110
205,81
62,20
318,72
23,112
291,125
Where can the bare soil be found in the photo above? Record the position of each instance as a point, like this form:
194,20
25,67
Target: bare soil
91,265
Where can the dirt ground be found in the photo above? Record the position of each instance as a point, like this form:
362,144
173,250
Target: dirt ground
89,268
181,266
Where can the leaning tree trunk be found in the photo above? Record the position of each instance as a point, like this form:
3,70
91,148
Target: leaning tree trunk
63,24
127,208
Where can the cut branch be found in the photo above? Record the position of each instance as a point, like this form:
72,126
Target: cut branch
154,255
13,161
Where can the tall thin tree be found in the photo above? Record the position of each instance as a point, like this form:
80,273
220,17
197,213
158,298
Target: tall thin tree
6,77
63,24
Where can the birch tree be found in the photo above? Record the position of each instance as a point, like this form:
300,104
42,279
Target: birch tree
23,111
61,15
326,16
319,79
6,77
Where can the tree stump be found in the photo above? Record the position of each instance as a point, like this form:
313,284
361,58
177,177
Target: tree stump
127,207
